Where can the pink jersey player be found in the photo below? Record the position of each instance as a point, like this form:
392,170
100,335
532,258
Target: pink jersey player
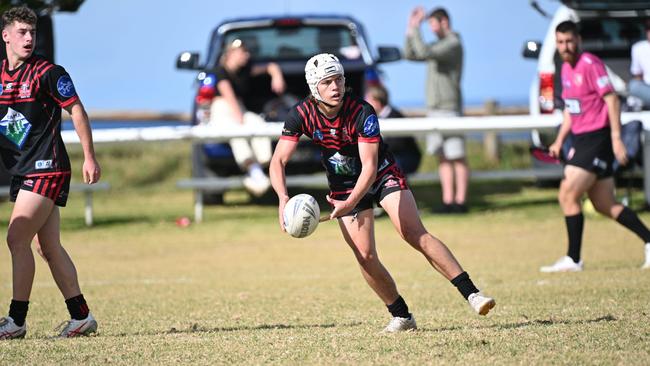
583,89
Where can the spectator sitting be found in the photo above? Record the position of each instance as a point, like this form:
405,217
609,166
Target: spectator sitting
640,69
227,110
405,149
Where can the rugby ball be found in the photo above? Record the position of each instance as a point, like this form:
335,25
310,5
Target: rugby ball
301,215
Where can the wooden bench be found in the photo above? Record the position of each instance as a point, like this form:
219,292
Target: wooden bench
220,185
87,189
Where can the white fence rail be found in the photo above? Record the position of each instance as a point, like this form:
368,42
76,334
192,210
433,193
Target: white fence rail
389,127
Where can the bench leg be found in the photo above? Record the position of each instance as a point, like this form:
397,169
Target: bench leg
198,206
89,208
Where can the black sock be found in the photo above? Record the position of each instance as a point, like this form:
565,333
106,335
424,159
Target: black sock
630,220
464,285
18,311
399,308
77,307
574,226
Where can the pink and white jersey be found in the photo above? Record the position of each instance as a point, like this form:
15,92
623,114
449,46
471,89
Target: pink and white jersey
583,88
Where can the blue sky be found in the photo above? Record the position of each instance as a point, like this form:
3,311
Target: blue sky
121,53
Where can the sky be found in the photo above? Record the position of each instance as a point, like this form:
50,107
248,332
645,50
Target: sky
122,54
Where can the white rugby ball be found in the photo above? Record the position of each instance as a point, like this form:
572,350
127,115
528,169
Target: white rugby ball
301,215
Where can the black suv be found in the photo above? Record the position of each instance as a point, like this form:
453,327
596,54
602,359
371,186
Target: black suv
289,42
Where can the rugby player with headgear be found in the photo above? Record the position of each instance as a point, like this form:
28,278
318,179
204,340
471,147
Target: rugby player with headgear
32,93
361,171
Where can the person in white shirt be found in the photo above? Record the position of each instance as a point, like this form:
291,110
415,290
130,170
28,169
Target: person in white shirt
640,68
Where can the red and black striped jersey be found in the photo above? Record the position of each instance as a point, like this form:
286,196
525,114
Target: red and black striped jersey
339,138
31,98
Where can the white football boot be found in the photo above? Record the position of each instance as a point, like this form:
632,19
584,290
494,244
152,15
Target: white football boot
480,303
9,329
398,324
564,264
77,328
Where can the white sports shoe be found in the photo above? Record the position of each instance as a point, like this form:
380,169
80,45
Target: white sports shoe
398,324
564,264
76,328
257,186
9,329
480,303
646,265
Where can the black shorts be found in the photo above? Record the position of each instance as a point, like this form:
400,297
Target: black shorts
593,152
391,180
54,185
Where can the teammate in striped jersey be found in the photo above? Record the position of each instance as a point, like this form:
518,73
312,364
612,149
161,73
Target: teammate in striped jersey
361,171
32,93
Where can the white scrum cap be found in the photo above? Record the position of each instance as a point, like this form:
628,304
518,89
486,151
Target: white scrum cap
320,67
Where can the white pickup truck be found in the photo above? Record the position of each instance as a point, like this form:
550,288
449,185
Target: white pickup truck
608,29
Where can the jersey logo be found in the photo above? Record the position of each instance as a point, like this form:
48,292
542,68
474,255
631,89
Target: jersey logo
24,91
43,164
577,79
341,165
15,127
371,126
573,106
318,135
602,81
64,86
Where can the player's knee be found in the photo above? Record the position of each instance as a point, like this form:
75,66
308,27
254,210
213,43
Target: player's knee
367,258
15,241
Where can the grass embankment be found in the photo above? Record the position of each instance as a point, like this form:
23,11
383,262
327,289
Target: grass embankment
236,290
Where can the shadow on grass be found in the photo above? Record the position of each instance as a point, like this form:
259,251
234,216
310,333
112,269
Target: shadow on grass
529,323
196,328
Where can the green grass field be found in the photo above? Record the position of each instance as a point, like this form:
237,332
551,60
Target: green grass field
234,289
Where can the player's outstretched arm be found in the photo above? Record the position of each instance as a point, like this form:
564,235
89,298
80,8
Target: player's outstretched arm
283,151
91,171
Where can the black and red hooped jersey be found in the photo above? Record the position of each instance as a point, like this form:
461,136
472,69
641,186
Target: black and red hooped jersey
339,137
31,98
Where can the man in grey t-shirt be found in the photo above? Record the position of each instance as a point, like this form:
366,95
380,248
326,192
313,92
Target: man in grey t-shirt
443,97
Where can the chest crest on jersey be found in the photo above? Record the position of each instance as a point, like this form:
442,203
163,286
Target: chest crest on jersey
25,91
15,127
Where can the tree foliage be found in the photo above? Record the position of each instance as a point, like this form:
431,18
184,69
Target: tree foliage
43,6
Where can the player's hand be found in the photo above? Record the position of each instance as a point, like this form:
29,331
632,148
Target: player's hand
91,171
339,208
416,17
282,203
620,152
555,149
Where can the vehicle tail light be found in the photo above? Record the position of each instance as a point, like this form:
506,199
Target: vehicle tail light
205,94
546,92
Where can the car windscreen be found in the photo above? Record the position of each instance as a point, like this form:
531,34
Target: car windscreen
611,37
295,42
